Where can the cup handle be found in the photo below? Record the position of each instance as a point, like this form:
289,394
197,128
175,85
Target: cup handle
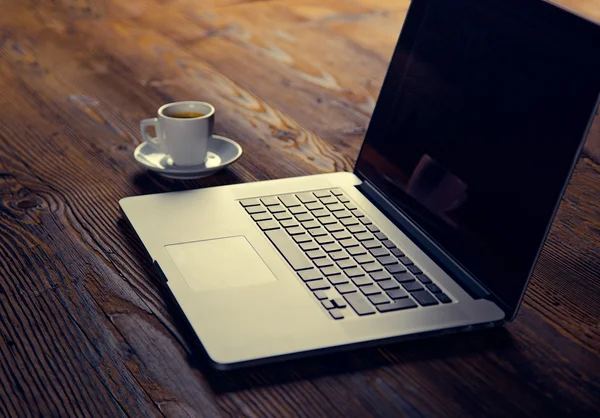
154,140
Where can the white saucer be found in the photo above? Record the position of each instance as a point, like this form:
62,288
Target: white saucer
221,153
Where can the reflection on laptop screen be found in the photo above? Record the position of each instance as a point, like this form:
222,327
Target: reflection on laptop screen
480,118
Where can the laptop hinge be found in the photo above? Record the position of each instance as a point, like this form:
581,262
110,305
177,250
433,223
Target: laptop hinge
463,278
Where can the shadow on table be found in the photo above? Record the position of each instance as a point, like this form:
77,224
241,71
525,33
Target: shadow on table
318,365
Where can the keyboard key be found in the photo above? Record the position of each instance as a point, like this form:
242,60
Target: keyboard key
296,210
378,251
343,199
346,263
397,252
388,244
249,202
334,246
433,288
323,262
378,299
361,280
256,209
309,275
405,260
328,200
282,216
350,242
336,192
355,229
341,214
261,217
307,246
387,260
354,272
330,271
328,220
289,223
397,305
315,254
359,303
371,267
423,278
370,289
320,284
354,251
345,288
288,248
320,213
388,284
269,201
341,235
338,255
358,213
349,205
349,221
322,193
395,268
327,304
404,277
325,239
442,297
336,227
311,224
337,280
424,298
371,244
414,269
363,236
365,221
364,258
320,294
314,206
317,232
276,208
339,302
301,238
397,293
289,200
372,228
336,207
412,286
305,217
379,275
380,236
268,225
306,197
336,314
296,230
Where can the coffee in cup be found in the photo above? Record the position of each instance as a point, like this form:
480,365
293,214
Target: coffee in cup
183,130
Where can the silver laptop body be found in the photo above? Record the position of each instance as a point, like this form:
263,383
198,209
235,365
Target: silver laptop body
249,294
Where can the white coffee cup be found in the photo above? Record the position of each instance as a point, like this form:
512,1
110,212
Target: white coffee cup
182,131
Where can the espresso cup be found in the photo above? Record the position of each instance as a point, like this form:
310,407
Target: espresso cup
183,130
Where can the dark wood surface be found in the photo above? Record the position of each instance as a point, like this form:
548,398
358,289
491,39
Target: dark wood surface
85,327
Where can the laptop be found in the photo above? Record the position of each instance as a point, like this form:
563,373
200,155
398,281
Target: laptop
478,126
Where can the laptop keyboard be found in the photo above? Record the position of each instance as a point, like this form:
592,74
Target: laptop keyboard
340,255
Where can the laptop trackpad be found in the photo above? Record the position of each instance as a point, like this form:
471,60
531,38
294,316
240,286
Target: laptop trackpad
219,263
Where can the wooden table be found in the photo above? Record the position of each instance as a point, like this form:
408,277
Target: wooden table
85,327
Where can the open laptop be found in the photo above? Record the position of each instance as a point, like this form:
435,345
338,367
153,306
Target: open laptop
476,131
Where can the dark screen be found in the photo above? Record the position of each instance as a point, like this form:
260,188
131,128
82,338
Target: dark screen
480,118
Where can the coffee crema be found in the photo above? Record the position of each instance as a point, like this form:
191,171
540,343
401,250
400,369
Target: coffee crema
187,115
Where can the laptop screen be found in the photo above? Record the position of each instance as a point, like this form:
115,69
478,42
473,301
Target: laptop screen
480,119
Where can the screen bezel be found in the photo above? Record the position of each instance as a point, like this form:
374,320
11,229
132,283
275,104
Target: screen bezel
571,24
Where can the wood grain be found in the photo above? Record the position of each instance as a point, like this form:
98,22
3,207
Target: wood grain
86,329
